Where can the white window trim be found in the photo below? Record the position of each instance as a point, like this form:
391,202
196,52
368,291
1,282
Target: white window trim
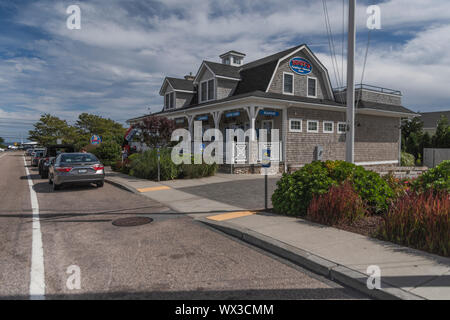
332,127
207,87
307,87
293,86
296,130
312,131
339,123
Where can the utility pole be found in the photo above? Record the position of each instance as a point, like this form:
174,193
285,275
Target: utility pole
350,136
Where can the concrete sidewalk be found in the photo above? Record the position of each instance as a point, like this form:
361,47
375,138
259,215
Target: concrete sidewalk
340,255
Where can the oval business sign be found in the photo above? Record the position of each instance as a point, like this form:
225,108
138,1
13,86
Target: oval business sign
300,66
96,139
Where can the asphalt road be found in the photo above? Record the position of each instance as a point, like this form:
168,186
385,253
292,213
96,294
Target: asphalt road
174,257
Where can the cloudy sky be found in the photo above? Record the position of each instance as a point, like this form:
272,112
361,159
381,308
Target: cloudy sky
116,63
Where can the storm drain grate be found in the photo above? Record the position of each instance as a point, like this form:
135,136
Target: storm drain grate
131,221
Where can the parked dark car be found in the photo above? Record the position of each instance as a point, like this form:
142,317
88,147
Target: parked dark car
50,153
76,168
36,157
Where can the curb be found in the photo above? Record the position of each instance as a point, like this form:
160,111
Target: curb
314,263
121,186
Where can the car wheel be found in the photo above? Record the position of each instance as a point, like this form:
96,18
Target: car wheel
100,184
56,186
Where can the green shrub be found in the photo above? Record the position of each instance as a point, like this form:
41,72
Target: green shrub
437,179
145,165
372,188
340,205
295,191
193,171
407,160
421,221
108,152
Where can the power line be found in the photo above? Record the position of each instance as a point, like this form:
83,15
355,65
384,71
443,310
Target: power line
364,65
331,43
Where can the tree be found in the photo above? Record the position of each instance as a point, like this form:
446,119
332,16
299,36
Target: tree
89,124
441,138
50,128
2,141
156,131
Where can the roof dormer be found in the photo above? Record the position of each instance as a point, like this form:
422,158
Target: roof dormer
233,58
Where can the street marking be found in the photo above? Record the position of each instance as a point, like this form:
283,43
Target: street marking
231,215
153,189
3,155
37,274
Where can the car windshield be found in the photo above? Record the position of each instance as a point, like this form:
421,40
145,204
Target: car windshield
78,158
38,154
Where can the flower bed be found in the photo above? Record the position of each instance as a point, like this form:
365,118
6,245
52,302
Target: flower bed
414,213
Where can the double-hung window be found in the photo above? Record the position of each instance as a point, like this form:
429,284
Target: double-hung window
295,125
328,126
288,83
342,127
207,90
312,87
169,101
312,126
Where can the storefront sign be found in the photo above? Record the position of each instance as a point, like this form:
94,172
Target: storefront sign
269,113
96,139
300,66
202,118
232,114
179,120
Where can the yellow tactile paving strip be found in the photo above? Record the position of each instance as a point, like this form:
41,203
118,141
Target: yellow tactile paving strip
153,189
231,215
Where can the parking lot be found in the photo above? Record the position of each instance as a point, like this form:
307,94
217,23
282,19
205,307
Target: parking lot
172,257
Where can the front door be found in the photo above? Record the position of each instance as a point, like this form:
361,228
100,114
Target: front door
268,126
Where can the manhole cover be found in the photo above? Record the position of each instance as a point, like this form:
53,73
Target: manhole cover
131,221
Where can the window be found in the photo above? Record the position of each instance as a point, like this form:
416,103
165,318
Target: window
312,90
328,126
313,126
236,60
288,83
295,125
342,127
207,90
169,102
204,91
211,89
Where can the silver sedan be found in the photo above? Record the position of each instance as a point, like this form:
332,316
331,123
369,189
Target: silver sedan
76,168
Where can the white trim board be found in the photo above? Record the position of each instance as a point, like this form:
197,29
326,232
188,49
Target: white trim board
372,163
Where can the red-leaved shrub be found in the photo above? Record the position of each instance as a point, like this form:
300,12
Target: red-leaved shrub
421,221
340,205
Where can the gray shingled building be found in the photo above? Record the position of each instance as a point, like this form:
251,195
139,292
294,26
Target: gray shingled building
290,91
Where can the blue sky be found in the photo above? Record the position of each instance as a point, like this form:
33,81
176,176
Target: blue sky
116,63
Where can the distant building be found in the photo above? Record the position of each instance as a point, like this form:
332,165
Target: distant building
431,119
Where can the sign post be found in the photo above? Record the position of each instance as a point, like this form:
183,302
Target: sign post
265,166
159,164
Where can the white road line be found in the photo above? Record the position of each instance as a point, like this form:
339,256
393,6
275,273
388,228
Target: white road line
3,155
37,280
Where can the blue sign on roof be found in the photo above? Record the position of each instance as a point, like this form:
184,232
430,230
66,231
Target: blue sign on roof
300,66
269,113
202,118
232,114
